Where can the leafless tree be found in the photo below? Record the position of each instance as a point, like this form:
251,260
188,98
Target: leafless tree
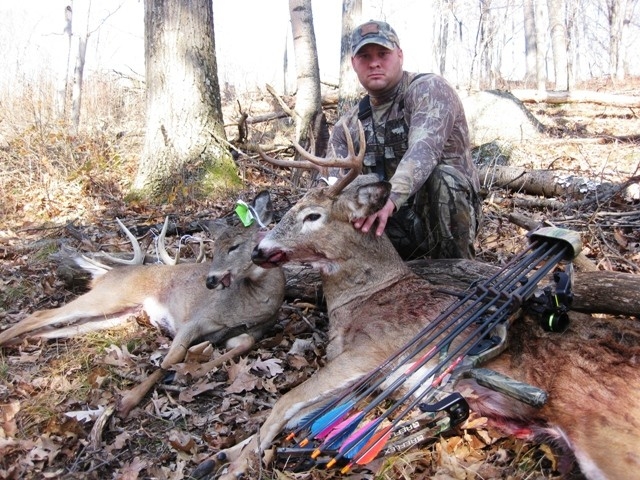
619,17
349,89
530,43
541,65
310,118
185,146
558,43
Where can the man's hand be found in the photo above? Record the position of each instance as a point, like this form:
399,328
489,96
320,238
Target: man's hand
382,215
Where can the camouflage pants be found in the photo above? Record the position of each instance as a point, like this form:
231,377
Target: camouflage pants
443,220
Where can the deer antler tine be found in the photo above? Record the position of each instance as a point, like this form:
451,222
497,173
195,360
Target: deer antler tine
162,250
289,163
200,258
138,256
353,161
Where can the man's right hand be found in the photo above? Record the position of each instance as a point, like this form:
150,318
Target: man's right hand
382,215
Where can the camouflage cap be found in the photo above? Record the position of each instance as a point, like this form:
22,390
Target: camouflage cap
376,32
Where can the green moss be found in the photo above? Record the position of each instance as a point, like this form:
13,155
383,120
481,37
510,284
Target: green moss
221,176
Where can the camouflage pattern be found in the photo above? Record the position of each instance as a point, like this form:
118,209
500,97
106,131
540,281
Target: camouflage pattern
376,32
569,237
421,145
524,392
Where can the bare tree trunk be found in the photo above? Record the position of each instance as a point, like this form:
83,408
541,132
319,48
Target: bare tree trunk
78,78
558,43
441,10
530,44
480,47
572,40
541,66
349,88
310,121
63,82
616,14
185,151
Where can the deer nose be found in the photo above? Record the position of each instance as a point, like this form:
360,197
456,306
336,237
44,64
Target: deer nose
212,282
257,255
219,281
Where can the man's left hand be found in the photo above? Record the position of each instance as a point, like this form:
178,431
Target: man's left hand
382,215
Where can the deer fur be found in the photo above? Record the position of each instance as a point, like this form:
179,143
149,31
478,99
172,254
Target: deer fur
230,300
376,304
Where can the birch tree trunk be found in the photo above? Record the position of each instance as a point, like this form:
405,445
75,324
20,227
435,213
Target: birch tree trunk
184,151
541,66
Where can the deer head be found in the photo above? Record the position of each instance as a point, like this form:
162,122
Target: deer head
318,230
235,244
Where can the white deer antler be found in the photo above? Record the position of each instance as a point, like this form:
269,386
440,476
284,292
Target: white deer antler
352,162
138,254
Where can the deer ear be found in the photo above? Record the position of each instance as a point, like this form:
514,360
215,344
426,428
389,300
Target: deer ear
370,198
263,207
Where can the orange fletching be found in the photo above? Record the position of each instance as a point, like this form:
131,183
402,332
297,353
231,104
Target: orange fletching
373,447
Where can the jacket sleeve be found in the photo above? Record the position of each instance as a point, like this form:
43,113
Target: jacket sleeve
431,110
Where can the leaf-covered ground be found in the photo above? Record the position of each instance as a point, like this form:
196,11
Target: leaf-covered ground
67,190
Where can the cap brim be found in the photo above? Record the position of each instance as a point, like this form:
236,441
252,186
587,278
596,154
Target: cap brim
378,41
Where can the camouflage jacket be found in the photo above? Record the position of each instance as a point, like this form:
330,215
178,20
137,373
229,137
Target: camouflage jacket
419,125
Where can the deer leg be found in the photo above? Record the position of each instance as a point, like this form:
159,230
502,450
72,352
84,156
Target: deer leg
176,354
237,346
134,396
83,328
92,304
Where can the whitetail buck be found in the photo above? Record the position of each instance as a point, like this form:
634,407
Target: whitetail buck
231,299
376,304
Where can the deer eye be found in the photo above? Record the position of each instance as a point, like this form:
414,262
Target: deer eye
233,248
312,217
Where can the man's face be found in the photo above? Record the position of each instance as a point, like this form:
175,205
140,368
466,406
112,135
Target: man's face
378,68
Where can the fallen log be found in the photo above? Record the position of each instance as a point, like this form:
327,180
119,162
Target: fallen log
605,292
576,96
548,183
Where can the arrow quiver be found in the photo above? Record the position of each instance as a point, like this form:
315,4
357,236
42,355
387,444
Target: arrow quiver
350,429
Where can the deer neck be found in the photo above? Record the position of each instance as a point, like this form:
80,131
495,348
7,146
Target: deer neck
367,270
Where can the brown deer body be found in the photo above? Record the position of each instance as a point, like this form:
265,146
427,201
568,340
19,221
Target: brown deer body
375,304
231,299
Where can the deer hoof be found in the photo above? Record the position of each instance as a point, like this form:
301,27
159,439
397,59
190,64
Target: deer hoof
204,469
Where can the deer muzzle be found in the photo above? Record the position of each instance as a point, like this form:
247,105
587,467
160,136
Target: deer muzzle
268,258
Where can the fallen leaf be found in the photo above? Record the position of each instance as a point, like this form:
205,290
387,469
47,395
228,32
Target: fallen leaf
182,442
86,415
193,391
271,366
8,413
131,470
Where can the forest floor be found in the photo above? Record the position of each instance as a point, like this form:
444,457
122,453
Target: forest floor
59,189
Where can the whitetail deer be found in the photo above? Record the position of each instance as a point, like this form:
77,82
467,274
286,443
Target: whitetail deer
231,300
376,304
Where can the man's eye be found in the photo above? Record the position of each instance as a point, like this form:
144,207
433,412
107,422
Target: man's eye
312,217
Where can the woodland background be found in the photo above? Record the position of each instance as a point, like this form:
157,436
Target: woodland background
64,177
